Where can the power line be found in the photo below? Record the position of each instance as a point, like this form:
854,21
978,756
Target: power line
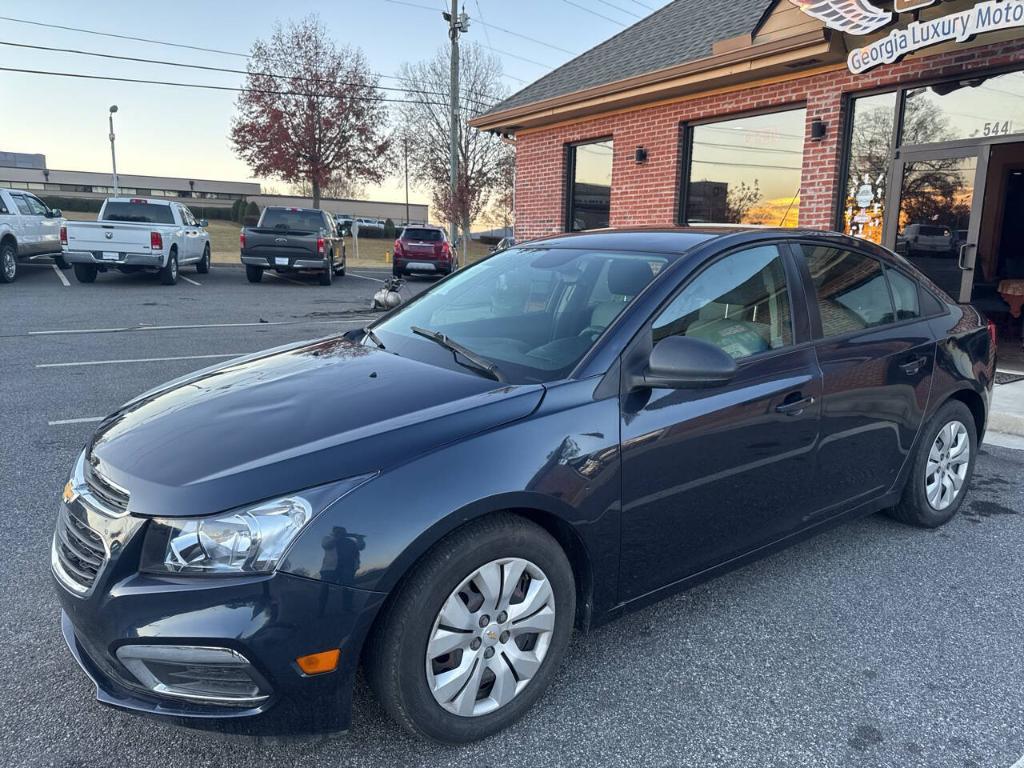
621,9
208,87
489,26
223,69
154,41
644,5
518,56
592,12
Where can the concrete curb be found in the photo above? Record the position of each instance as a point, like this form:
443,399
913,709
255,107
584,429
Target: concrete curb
1006,423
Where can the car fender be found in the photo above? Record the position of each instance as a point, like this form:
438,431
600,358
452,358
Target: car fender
560,465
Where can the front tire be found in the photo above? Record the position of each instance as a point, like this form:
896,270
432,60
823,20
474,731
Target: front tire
203,266
169,273
85,273
475,635
943,467
61,262
8,263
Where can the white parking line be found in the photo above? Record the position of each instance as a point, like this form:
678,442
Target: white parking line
189,280
86,420
136,360
364,277
1018,764
60,274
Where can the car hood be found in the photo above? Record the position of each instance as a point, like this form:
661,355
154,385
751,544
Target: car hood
272,424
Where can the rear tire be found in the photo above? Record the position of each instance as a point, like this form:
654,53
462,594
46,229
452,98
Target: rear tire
253,274
203,267
85,273
169,273
399,668
941,473
327,276
8,263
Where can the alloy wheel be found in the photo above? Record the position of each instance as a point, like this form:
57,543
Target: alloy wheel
948,462
9,264
490,637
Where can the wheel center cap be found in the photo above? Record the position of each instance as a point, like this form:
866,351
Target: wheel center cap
490,635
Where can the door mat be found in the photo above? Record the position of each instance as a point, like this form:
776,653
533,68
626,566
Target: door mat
1008,378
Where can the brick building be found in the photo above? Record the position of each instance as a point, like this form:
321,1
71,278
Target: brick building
901,122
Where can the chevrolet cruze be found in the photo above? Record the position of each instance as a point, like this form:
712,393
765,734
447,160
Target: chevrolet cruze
559,434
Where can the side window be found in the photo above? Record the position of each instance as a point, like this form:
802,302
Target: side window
740,303
851,290
904,293
23,207
37,206
3,207
187,217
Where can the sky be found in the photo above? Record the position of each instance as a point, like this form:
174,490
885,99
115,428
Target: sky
181,132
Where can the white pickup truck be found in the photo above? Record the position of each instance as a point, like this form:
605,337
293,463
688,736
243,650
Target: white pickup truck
137,234
29,229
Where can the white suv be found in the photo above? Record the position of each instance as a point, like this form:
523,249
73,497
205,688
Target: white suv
29,229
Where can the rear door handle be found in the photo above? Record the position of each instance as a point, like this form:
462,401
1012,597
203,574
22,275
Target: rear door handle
796,407
913,367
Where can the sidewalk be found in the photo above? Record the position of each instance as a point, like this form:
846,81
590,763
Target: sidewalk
1007,416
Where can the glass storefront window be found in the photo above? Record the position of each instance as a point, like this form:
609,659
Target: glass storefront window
590,186
974,108
868,161
746,170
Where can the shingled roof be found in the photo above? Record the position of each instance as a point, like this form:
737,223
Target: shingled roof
682,31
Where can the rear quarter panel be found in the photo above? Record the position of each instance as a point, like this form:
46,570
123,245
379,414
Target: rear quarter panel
965,357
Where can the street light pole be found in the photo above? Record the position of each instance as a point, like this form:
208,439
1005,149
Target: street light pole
405,144
113,154
457,24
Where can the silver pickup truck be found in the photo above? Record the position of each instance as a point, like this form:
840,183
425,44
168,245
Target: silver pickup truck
29,229
137,235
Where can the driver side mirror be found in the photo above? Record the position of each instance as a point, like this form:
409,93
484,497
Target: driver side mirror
203,223
683,362
54,213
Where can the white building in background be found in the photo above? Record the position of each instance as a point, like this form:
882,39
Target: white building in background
24,171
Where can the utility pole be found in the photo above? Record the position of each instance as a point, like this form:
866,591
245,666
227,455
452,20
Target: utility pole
113,155
457,24
405,144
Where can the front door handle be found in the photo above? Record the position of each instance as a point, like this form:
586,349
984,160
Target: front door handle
795,407
913,367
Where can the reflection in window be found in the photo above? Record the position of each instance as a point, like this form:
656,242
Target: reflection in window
747,171
590,187
869,159
851,290
967,109
905,294
740,304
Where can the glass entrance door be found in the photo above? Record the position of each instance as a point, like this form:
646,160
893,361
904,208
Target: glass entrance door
939,195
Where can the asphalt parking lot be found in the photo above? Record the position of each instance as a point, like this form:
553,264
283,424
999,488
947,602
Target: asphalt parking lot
872,645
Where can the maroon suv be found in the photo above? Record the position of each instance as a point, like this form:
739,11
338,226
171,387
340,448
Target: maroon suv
423,251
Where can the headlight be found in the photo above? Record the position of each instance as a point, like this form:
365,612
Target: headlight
244,541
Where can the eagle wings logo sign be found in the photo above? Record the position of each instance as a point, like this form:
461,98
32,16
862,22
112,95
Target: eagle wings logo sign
855,17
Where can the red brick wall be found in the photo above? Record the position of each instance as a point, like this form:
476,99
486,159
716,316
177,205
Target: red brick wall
648,194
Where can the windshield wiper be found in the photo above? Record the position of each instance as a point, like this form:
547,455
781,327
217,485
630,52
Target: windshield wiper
473,360
374,338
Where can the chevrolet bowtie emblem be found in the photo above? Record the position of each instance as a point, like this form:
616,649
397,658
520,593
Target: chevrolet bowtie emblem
856,17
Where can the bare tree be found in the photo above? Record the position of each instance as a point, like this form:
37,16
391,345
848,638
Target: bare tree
311,112
483,158
337,188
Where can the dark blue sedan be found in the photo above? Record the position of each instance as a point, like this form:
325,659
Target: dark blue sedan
565,431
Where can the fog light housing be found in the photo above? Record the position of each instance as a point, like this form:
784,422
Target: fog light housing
207,675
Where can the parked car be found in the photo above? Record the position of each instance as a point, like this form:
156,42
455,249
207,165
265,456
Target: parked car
29,229
137,235
370,227
556,435
423,251
926,239
344,224
293,240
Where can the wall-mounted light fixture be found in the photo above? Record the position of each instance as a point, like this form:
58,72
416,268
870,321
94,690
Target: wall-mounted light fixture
641,155
819,129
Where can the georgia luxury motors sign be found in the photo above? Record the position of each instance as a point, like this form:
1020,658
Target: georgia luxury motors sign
861,17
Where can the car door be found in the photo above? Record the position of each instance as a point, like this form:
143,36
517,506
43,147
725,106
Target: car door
26,227
193,248
711,474
47,226
876,360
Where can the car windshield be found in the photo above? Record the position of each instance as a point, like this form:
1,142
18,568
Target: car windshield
423,235
292,220
532,312
138,213
927,231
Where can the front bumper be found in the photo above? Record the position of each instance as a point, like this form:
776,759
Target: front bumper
272,262
271,621
154,260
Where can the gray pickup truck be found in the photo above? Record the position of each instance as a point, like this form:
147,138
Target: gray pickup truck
293,240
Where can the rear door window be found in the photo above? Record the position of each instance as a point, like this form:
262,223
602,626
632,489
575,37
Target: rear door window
23,207
851,290
905,294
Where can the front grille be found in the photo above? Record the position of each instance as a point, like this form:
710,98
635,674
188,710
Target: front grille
79,552
106,492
